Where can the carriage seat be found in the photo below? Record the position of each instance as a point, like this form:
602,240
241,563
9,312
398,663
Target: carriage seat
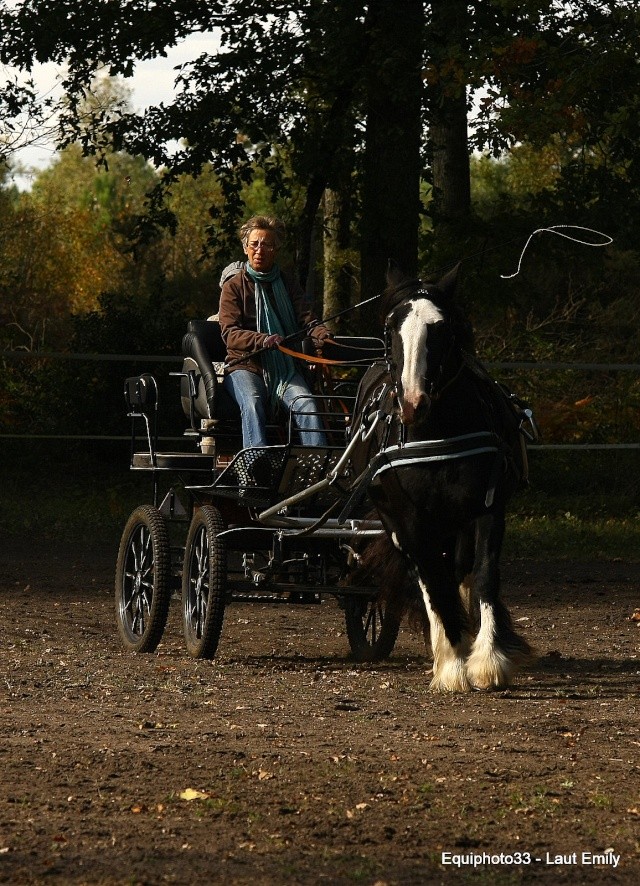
201,391
207,403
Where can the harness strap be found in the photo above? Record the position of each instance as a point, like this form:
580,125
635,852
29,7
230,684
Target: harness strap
360,486
498,467
426,452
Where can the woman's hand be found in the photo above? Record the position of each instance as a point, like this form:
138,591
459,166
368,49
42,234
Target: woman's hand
272,341
319,337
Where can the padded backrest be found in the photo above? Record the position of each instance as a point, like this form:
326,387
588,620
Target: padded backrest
208,334
202,343
204,352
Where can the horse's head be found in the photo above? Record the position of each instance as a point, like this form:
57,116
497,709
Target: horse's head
420,330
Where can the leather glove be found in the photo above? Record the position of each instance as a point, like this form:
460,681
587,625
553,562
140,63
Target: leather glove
272,341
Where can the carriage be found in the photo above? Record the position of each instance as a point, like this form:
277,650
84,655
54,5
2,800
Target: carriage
428,442
228,524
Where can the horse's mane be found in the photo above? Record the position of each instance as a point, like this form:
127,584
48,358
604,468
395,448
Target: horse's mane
396,293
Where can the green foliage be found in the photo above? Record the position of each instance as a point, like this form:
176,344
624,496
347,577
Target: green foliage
126,324
277,116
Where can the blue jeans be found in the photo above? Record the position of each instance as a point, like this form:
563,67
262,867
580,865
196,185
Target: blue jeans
250,393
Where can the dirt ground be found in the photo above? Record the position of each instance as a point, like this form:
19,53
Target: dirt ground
282,762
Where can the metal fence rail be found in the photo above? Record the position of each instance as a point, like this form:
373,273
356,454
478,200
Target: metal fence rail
168,358
174,359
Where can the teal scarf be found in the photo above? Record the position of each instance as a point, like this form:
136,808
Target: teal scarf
274,316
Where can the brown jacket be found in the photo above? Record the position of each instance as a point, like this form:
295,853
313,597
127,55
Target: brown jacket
237,316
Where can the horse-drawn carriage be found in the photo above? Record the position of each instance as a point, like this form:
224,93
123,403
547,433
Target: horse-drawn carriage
428,442
228,523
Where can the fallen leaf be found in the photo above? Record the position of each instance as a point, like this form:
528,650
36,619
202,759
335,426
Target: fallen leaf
263,775
192,794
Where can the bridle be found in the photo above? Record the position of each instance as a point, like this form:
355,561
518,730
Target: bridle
435,382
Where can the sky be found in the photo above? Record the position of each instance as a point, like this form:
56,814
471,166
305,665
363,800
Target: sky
152,83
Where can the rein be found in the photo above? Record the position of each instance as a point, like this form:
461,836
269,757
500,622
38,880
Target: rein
437,395
326,361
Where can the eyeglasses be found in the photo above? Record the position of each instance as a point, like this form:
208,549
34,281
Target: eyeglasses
260,244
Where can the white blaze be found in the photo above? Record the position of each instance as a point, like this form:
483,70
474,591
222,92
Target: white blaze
413,334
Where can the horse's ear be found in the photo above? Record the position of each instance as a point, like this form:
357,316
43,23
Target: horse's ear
447,284
395,274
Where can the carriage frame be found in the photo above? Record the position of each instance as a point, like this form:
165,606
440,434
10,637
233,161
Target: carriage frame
226,524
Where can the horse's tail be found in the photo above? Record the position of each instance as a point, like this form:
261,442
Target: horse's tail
381,564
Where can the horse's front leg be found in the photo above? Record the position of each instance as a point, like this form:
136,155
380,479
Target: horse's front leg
424,552
497,650
448,622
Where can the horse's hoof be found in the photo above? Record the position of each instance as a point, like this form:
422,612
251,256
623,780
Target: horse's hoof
489,687
451,677
492,673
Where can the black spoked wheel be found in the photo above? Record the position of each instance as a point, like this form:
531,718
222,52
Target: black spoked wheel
143,580
204,582
372,628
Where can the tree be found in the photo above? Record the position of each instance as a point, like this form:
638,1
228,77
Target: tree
26,118
339,266
448,79
289,78
392,163
298,80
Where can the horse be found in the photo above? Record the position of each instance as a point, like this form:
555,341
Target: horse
440,465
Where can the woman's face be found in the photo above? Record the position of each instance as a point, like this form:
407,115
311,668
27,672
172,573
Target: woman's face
261,250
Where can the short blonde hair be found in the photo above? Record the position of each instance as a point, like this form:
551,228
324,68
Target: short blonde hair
264,223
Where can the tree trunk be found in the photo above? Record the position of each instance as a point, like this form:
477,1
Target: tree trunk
448,134
339,275
450,159
392,162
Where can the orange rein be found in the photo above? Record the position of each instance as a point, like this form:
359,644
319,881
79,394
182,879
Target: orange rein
314,359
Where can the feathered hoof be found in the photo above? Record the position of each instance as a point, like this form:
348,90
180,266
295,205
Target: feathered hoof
490,671
450,677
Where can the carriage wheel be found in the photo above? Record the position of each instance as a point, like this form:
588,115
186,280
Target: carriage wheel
371,628
143,587
204,581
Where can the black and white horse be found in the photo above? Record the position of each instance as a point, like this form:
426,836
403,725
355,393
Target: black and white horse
440,473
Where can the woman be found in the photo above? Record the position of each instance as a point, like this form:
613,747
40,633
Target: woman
259,307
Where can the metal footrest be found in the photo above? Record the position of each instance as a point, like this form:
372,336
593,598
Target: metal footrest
172,461
253,476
